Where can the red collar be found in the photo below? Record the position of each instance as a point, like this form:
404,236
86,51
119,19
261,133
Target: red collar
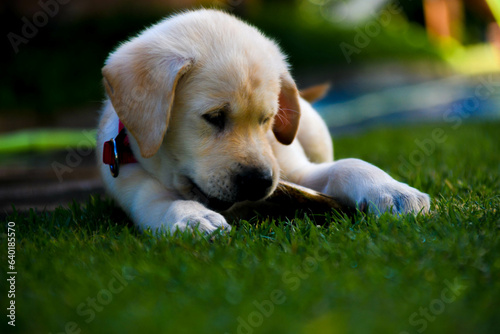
117,151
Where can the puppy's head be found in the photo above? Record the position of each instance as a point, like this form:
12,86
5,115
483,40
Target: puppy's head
201,93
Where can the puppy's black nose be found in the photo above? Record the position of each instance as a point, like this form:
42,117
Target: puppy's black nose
253,183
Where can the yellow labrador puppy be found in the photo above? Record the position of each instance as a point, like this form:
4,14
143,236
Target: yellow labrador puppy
203,113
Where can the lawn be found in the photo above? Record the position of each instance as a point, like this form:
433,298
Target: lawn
85,269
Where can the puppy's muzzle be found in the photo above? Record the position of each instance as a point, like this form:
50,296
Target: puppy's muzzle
253,184
249,183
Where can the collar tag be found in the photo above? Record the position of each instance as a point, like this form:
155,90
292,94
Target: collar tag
117,151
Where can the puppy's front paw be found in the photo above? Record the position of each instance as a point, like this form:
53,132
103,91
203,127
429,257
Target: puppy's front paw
359,183
207,222
395,197
190,214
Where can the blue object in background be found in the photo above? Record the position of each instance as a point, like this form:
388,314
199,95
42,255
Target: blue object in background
352,108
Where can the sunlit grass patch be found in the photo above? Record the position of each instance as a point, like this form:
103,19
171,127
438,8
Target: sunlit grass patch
87,266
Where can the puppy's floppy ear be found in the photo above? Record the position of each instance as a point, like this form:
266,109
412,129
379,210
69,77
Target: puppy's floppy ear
286,122
142,90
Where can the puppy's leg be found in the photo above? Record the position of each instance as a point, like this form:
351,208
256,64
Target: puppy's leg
352,181
358,183
150,205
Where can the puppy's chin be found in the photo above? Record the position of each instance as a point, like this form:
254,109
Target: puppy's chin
210,202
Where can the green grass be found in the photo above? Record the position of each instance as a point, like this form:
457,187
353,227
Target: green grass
371,275
46,140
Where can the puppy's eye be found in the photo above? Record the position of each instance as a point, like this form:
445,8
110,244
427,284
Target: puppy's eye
265,120
217,119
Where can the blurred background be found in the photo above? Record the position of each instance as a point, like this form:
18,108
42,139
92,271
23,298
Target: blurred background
389,63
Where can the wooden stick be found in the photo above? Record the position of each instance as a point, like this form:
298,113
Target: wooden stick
286,200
